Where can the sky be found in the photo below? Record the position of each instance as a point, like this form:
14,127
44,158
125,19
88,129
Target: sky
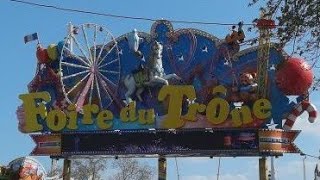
19,61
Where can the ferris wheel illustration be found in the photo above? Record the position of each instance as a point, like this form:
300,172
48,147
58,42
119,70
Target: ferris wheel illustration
90,66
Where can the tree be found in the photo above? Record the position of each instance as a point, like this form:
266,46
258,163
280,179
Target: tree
131,169
298,23
85,169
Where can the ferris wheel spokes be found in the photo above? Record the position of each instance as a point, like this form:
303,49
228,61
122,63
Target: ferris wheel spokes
108,63
84,92
98,90
75,74
91,72
91,90
78,83
105,88
81,50
74,65
87,44
108,80
94,44
104,57
78,57
110,72
104,43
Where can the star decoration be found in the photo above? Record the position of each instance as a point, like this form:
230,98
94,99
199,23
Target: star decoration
272,125
272,68
293,99
181,58
120,52
226,62
204,49
191,101
238,104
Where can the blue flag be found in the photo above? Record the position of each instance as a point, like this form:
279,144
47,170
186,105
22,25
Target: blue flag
30,37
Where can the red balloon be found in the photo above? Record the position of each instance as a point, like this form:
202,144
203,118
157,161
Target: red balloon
42,55
294,77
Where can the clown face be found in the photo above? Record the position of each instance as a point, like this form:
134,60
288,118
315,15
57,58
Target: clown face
246,79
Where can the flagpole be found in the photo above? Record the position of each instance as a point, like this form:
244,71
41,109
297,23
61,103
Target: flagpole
38,40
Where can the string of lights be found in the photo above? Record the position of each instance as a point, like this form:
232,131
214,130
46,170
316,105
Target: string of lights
123,16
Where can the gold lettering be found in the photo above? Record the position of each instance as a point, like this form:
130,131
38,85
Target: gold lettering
32,109
217,111
56,120
104,119
262,108
176,94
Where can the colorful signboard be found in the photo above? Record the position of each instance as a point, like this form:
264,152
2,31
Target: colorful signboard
47,145
167,79
277,141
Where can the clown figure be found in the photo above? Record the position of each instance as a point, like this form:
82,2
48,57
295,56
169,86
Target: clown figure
247,88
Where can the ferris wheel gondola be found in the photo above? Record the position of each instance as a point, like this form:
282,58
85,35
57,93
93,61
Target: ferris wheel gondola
90,66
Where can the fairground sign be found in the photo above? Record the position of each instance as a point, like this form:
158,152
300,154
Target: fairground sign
178,93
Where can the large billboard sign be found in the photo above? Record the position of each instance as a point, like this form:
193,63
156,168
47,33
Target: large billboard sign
92,84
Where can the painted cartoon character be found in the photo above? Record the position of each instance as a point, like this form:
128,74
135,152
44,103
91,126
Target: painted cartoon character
246,91
235,38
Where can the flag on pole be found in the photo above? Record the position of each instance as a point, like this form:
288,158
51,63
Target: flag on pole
31,37
316,173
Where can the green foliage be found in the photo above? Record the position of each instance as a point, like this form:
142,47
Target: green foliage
299,24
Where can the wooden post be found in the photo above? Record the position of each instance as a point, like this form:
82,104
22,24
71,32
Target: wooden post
263,168
162,168
66,169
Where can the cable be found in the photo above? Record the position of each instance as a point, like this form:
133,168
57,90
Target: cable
177,168
125,17
219,165
316,157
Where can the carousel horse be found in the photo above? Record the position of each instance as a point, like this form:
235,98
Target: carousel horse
149,76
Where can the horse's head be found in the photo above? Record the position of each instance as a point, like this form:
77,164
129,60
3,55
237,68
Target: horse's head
157,47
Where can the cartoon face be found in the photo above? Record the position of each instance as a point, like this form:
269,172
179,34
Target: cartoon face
246,79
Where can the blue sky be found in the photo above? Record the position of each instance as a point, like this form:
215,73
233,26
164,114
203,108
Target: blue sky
18,61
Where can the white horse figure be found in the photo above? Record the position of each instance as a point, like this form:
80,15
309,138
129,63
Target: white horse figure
149,76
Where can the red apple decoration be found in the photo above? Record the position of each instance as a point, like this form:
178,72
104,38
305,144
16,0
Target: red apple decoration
294,77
